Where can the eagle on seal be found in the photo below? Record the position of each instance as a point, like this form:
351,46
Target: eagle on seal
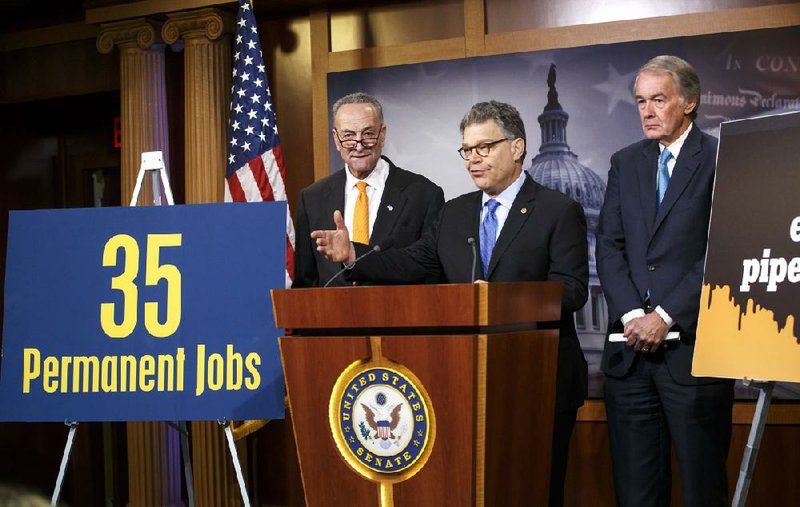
383,427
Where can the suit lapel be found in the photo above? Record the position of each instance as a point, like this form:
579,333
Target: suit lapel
648,192
520,211
335,198
391,206
682,174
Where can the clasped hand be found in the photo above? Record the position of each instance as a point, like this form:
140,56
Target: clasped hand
646,334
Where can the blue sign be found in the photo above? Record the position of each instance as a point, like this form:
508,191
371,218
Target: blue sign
143,313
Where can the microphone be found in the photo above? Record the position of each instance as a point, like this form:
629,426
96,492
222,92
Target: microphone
383,245
471,242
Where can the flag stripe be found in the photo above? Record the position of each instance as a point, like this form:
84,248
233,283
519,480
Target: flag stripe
261,178
278,152
234,190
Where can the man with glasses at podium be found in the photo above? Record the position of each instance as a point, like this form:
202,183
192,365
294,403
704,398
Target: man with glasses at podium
511,229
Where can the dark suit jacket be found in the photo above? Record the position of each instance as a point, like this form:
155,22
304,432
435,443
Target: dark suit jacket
641,246
409,206
544,238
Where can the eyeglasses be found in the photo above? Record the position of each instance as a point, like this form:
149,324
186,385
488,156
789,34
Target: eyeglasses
368,139
482,149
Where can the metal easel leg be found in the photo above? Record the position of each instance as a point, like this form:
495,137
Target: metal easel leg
236,464
156,187
73,427
753,441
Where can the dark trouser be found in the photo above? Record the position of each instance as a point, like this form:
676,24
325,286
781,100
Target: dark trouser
562,431
646,410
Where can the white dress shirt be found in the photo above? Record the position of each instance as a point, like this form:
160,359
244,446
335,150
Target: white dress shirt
376,182
505,199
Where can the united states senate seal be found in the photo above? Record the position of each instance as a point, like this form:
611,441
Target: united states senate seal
382,421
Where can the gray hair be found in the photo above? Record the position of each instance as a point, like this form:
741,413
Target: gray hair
505,115
359,98
683,75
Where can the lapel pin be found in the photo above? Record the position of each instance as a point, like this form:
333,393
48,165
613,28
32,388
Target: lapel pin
390,207
523,210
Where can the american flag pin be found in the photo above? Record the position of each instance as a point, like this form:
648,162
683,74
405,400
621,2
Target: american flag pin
523,210
390,207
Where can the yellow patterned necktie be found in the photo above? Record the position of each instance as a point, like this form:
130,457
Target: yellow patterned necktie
361,215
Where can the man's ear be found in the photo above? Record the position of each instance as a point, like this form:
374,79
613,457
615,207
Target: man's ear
518,148
690,106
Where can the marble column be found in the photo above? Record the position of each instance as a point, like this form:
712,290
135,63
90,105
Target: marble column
206,34
154,460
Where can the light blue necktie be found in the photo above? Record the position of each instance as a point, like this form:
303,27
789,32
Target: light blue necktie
663,174
488,234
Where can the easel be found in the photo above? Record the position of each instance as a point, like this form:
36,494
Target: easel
753,441
153,161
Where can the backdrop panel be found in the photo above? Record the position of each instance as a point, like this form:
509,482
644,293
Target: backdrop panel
743,74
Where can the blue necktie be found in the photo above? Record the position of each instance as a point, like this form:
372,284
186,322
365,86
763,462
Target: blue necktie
663,174
488,234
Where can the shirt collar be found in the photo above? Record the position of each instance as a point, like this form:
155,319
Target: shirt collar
376,179
675,147
507,196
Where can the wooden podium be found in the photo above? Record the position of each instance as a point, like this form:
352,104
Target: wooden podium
486,353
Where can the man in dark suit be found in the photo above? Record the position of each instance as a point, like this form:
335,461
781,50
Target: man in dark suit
651,244
524,231
397,204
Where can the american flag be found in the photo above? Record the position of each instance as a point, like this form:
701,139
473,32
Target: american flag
255,170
